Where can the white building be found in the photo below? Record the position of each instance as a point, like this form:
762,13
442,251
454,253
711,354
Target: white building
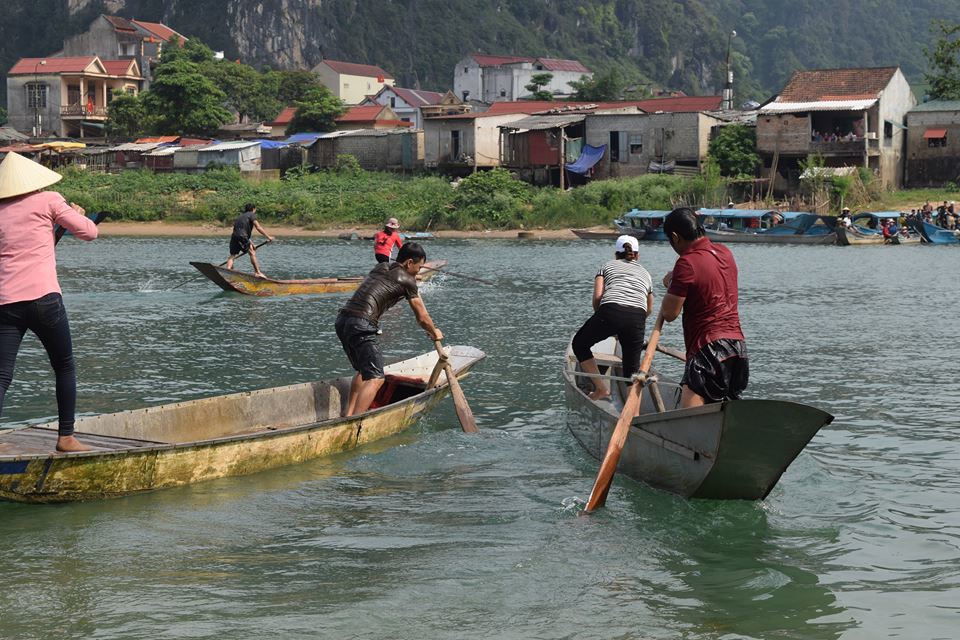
504,78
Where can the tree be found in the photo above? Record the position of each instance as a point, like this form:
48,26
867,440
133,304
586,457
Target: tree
536,87
318,111
249,92
3,116
944,59
603,87
182,100
734,148
292,86
126,116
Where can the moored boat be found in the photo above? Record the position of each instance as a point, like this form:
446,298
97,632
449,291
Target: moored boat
866,228
765,226
935,235
730,450
249,284
237,434
593,234
648,222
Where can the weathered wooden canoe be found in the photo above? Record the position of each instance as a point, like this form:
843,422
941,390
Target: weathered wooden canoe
591,234
251,285
848,236
730,450
237,434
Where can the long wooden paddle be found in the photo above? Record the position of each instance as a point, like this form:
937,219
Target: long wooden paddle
598,496
458,275
465,415
97,218
192,278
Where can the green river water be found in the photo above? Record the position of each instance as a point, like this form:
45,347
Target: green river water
437,534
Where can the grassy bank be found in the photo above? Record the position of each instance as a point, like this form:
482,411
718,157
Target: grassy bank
488,200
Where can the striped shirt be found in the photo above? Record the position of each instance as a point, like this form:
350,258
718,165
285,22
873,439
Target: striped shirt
625,283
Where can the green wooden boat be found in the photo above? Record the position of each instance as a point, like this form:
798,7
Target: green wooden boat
237,434
730,450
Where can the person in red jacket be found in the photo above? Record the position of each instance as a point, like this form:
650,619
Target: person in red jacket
385,240
703,285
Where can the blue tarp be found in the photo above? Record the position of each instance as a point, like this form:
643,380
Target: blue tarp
301,138
646,215
747,214
272,144
588,157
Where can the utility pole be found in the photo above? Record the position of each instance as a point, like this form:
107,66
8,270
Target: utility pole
728,89
563,156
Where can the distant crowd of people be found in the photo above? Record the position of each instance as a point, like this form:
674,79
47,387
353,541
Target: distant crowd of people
834,136
945,216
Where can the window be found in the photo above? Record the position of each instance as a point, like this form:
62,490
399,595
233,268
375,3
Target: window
393,102
454,144
887,130
465,70
404,119
36,95
539,67
503,93
614,146
937,142
636,144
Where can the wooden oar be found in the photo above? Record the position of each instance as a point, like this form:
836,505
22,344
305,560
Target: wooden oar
97,218
467,421
674,353
598,496
192,278
458,275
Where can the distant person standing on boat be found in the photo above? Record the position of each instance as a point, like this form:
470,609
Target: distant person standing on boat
385,240
358,323
703,285
240,242
622,298
29,290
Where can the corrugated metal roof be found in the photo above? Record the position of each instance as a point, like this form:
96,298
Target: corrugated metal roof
821,105
229,146
555,64
539,123
134,146
161,31
73,64
354,69
938,105
162,151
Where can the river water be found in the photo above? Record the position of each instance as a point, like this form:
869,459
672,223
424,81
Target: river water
437,534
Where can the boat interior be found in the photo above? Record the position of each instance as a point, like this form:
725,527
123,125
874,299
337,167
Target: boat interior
236,414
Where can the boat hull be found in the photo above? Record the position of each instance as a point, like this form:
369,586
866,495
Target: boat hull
590,234
232,435
251,285
847,236
642,233
716,235
936,235
735,450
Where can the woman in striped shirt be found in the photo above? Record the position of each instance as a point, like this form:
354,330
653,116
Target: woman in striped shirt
622,297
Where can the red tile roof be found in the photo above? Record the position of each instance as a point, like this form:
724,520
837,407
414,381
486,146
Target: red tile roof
354,69
674,105
30,66
161,31
158,139
120,24
415,97
367,113
284,117
836,84
680,103
119,67
554,64
495,61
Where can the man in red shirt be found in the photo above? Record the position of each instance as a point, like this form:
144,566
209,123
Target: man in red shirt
384,241
703,284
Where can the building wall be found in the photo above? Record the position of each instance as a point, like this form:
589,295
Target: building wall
23,118
102,40
927,166
401,108
391,151
895,101
787,132
468,76
351,89
507,82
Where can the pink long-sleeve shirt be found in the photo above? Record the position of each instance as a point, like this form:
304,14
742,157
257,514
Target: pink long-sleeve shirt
28,264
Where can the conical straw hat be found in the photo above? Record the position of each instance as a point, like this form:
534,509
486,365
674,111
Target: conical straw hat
18,176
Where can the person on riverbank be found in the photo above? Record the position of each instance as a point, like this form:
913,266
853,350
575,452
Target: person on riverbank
386,239
622,298
240,242
358,322
703,285
30,296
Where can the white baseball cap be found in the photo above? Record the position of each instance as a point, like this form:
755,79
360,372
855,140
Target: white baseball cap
625,241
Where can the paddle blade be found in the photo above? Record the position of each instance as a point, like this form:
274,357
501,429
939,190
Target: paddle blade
608,468
467,422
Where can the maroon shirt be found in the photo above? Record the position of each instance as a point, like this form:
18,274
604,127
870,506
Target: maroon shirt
706,276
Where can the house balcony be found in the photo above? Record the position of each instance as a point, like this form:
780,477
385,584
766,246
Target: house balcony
856,147
81,111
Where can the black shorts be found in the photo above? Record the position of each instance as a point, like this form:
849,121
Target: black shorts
627,323
382,258
719,371
238,245
361,344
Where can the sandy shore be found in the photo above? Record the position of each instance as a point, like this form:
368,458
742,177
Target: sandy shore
283,231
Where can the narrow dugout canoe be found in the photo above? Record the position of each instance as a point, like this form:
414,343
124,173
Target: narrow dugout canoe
849,236
591,234
237,434
730,450
251,285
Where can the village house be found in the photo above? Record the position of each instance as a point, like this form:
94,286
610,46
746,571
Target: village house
413,105
278,128
352,82
371,117
241,154
67,96
933,144
849,117
375,150
116,38
504,78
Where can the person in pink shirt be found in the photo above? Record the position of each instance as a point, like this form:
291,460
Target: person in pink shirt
29,291
384,241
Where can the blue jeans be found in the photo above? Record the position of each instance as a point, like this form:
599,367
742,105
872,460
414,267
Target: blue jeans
47,318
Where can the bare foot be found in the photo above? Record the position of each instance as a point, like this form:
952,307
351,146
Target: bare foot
600,395
259,274
69,444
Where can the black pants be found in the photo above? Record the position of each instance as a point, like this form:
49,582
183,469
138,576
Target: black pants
627,323
47,318
381,258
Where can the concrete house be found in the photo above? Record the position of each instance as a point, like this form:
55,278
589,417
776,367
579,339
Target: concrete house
116,38
244,155
67,96
413,105
933,144
504,78
849,117
390,150
352,82
373,116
